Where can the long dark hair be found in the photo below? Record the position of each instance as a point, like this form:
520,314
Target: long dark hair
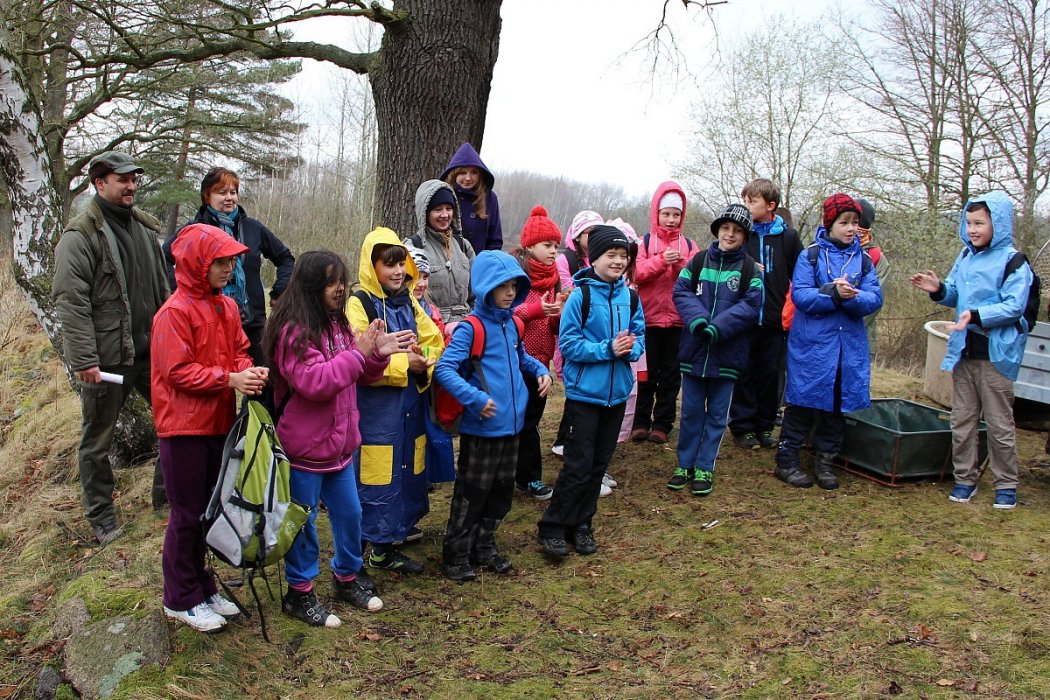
301,306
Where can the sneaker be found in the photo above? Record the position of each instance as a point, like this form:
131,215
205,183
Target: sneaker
639,435
747,441
604,491
306,607
461,573
765,439
961,493
352,592
583,541
538,490
107,531
558,450
703,482
1005,499
497,564
366,582
658,437
220,606
394,560
554,547
414,535
200,617
679,479
609,481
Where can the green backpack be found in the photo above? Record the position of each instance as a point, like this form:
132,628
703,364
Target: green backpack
251,520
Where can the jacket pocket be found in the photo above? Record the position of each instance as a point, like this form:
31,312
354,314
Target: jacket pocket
419,455
109,339
376,464
106,287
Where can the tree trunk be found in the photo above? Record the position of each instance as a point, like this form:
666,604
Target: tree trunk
431,88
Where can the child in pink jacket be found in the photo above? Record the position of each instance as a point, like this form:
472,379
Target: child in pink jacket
663,253
318,363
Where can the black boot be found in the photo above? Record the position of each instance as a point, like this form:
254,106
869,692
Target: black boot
822,470
790,471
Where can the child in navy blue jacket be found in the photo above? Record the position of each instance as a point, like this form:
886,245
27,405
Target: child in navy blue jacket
493,415
718,295
599,341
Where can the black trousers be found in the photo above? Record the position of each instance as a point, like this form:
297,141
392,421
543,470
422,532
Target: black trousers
827,427
589,447
530,453
756,394
658,395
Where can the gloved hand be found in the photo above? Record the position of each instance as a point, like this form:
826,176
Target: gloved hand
698,328
710,334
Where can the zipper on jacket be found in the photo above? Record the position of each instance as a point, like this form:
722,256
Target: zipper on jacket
714,310
612,329
510,369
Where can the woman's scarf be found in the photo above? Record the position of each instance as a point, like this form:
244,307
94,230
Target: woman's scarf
237,287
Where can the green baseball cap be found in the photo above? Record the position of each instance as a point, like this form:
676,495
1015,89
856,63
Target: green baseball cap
111,162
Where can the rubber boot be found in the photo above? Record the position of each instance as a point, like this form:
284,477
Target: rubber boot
790,471
823,471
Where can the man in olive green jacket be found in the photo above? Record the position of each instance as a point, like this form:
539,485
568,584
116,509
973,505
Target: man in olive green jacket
109,282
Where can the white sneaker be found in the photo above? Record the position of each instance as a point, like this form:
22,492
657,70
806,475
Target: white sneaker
609,481
604,491
200,617
558,450
221,606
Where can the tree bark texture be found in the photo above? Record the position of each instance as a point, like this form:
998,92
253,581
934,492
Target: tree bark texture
431,84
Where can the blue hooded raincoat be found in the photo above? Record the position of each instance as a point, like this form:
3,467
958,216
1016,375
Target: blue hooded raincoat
827,335
503,360
976,282
391,460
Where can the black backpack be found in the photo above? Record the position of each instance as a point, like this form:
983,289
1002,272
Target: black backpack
585,305
1031,307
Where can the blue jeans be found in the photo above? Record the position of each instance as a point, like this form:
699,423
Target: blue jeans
339,491
705,409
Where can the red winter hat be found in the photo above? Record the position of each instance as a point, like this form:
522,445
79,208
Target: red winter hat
836,204
539,228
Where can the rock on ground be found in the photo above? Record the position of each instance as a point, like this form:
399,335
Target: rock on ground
102,654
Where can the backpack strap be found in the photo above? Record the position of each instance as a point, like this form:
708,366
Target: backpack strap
696,265
366,301
573,259
1013,265
585,305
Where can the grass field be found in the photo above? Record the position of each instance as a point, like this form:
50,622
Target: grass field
862,592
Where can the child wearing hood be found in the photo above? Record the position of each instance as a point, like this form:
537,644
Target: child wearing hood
598,354
478,202
718,296
199,357
541,314
986,345
439,236
392,482
661,257
828,370
493,415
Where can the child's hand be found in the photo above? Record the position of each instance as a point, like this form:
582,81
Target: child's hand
760,267
845,289
623,344
698,329
544,385
551,308
489,410
387,344
671,256
964,320
248,382
926,281
563,296
417,364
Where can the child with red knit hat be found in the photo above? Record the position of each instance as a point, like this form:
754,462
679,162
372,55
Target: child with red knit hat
828,371
541,313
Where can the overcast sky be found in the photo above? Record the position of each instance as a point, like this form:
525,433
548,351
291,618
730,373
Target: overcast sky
573,93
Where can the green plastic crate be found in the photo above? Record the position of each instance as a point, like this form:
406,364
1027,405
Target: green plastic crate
895,440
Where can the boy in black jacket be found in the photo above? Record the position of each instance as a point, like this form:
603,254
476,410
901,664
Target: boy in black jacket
775,246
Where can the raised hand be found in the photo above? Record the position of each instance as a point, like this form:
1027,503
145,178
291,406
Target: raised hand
927,281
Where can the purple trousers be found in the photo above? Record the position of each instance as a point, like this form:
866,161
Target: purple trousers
191,467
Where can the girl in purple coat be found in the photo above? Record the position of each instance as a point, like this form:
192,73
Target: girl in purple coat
478,204
317,362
